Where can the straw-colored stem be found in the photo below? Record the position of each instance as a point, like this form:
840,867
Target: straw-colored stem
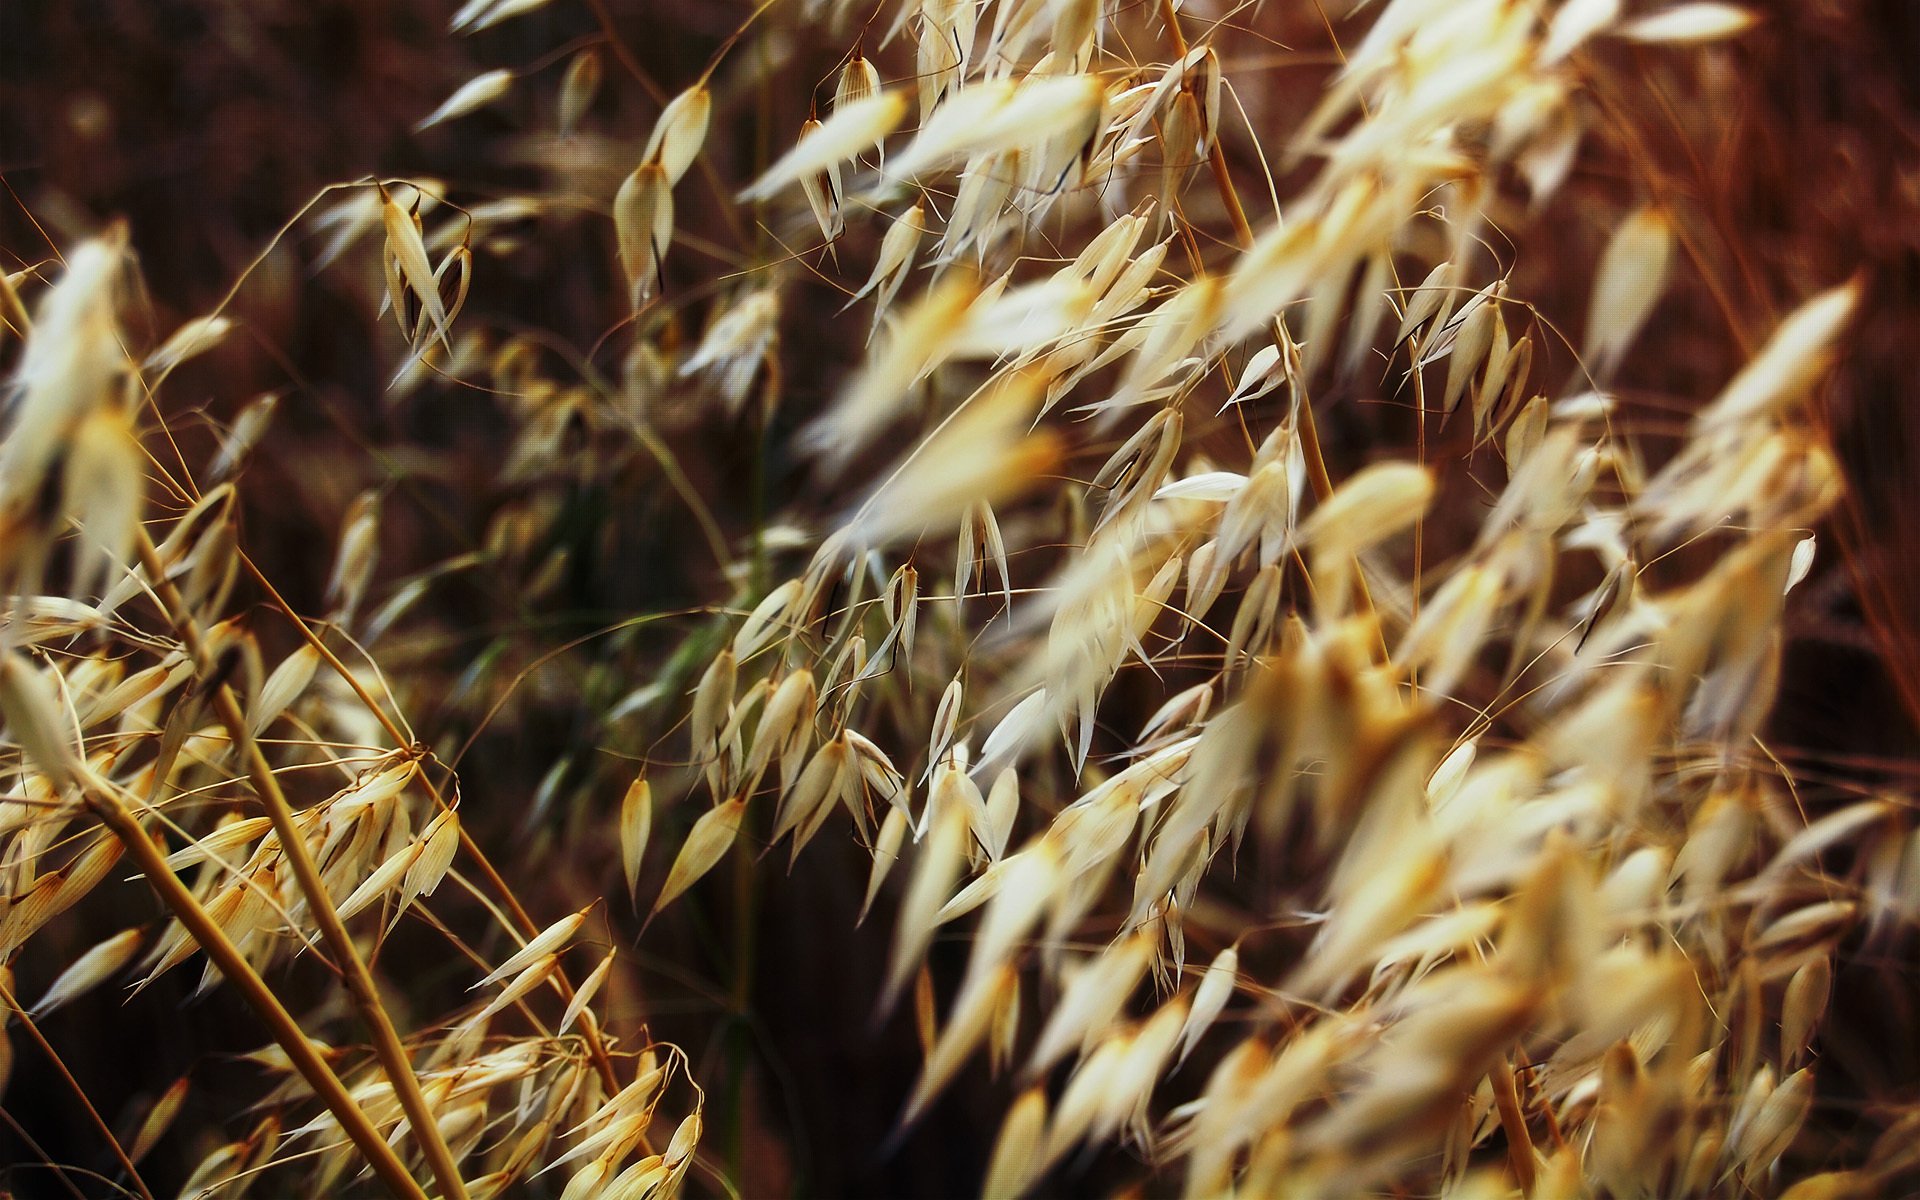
238,972
596,1047
1506,1098
387,1045
1317,475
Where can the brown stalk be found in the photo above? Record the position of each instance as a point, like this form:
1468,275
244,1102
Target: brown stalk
360,986
1513,1121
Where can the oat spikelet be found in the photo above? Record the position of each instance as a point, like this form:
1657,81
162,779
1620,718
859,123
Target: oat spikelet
708,841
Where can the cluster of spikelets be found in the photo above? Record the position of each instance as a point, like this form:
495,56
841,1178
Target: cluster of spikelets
135,712
1457,793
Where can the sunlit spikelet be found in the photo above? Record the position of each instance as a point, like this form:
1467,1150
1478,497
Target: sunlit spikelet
1703,21
89,970
636,822
548,941
585,995
66,380
359,552
1798,352
984,452
1626,287
476,15
411,272
680,133
476,93
737,343
858,80
711,837
845,133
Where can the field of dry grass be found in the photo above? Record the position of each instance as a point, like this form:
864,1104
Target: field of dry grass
633,598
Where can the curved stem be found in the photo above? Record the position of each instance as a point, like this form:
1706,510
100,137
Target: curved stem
602,1061
387,1044
59,1065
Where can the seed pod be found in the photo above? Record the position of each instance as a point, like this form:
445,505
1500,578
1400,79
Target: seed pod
1181,131
476,15
1092,999
1216,987
941,857
970,1023
1470,348
858,80
578,89
636,821
536,973
1801,1009
1702,21
283,687
158,1118
824,191
1797,354
359,551
1774,1124
886,851
1372,505
643,225
195,337
34,719
248,428
548,941
88,971
804,806
1626,286
440,841
1003,806
476,93
1203,81
849,131
409,269
786,726
387,876
897,251
680,132
583,996
686,1136
711,837
1018,1152
946,720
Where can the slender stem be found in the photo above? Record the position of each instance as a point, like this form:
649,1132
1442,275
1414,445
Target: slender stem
596,1047
387,1045
1216,157
33,1031
624,54
238,972
39,1152
1513,1121
1317,476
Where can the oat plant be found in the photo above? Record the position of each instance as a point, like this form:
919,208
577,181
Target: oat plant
1296,714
